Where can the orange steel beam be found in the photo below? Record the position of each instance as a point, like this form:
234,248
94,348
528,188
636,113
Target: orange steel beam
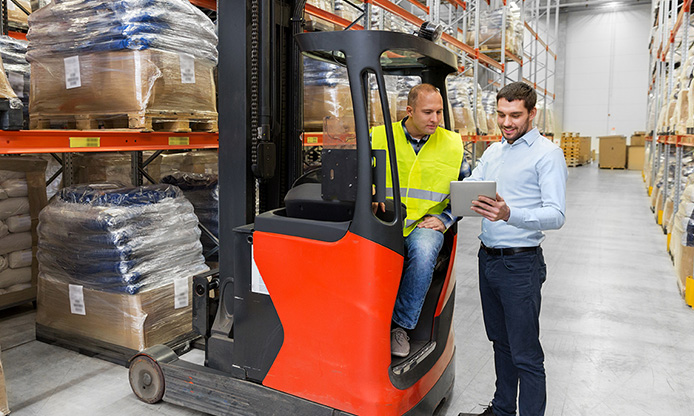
60,141
539,39
17,35
208,4
397,10
680,16
514,57
544,91
475,54
419,5
329,17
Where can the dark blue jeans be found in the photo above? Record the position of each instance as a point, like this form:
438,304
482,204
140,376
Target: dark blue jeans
510,292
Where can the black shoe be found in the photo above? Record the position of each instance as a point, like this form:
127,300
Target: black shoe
487,412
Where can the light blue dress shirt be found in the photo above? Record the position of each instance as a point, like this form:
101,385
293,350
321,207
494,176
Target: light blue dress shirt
530,175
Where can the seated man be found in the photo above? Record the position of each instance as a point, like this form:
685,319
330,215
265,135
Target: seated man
429,158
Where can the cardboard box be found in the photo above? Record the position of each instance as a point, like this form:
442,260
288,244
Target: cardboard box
637,140
613,152
4,406
584,150
635,157
132,321
115,83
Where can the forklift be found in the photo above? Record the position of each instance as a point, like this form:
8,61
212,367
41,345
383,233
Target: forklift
305,290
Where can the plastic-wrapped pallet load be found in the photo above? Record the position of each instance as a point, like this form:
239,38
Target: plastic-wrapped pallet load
682,239
116,264
17,69
326,94
490,31
489,105
16,17
461,88
202,190
22,196
125,63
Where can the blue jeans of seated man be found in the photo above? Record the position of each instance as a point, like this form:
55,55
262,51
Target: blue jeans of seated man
510,292
421,249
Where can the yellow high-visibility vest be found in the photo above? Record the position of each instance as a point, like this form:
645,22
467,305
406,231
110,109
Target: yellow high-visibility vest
425,177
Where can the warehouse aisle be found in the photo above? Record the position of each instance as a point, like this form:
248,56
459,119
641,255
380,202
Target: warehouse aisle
617,335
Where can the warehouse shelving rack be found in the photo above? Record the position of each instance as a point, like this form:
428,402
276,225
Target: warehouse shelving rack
458,17
670,22
62,144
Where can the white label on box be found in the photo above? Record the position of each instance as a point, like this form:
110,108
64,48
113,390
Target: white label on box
17,82
181,291
77,300
187,68
72,72
257,283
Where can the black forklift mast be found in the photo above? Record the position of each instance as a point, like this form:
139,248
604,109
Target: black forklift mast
260,149
261,111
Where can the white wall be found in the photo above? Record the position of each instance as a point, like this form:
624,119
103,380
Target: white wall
605,71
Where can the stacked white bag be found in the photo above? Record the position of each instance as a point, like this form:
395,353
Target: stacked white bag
15,233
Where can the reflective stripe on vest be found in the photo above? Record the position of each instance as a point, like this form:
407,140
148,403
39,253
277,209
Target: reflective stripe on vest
424,177
419,194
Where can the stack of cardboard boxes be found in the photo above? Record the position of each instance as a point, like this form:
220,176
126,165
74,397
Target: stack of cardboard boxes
636,151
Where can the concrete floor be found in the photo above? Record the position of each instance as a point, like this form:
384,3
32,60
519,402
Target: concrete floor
618,337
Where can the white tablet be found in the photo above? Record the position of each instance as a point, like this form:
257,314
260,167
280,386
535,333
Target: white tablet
464,192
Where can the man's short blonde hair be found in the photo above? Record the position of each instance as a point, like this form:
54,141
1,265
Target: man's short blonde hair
417,90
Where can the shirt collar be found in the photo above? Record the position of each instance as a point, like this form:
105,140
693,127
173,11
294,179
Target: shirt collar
529,137
409,137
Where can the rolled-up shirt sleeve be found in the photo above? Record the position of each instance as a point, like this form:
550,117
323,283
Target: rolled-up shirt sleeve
552,175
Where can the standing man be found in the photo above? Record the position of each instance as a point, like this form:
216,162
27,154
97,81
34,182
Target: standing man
530,173
429,158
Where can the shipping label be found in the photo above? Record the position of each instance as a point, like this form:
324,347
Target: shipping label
181,293
187,68
77,300
72,72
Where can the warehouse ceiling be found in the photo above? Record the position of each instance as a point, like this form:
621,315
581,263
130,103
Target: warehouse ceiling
580,5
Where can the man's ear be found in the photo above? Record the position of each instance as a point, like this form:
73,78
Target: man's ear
532,114
409,110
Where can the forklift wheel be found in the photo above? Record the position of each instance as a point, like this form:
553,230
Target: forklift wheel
146,379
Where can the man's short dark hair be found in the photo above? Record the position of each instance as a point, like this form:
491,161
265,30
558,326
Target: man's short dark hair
519,91
417,90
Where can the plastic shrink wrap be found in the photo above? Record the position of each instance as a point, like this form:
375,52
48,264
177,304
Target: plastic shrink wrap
17,69
326,94
489,105
490,31
22,196
116,166
461,94
16,17
116,264
682,237
202,190
124,61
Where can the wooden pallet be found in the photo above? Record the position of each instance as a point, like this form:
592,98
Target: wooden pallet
150,121
613,167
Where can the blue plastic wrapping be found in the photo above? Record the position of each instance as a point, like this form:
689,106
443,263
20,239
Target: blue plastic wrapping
79,26
202,190
119,239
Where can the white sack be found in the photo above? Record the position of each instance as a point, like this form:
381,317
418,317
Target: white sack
18,223
13,206
15,242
